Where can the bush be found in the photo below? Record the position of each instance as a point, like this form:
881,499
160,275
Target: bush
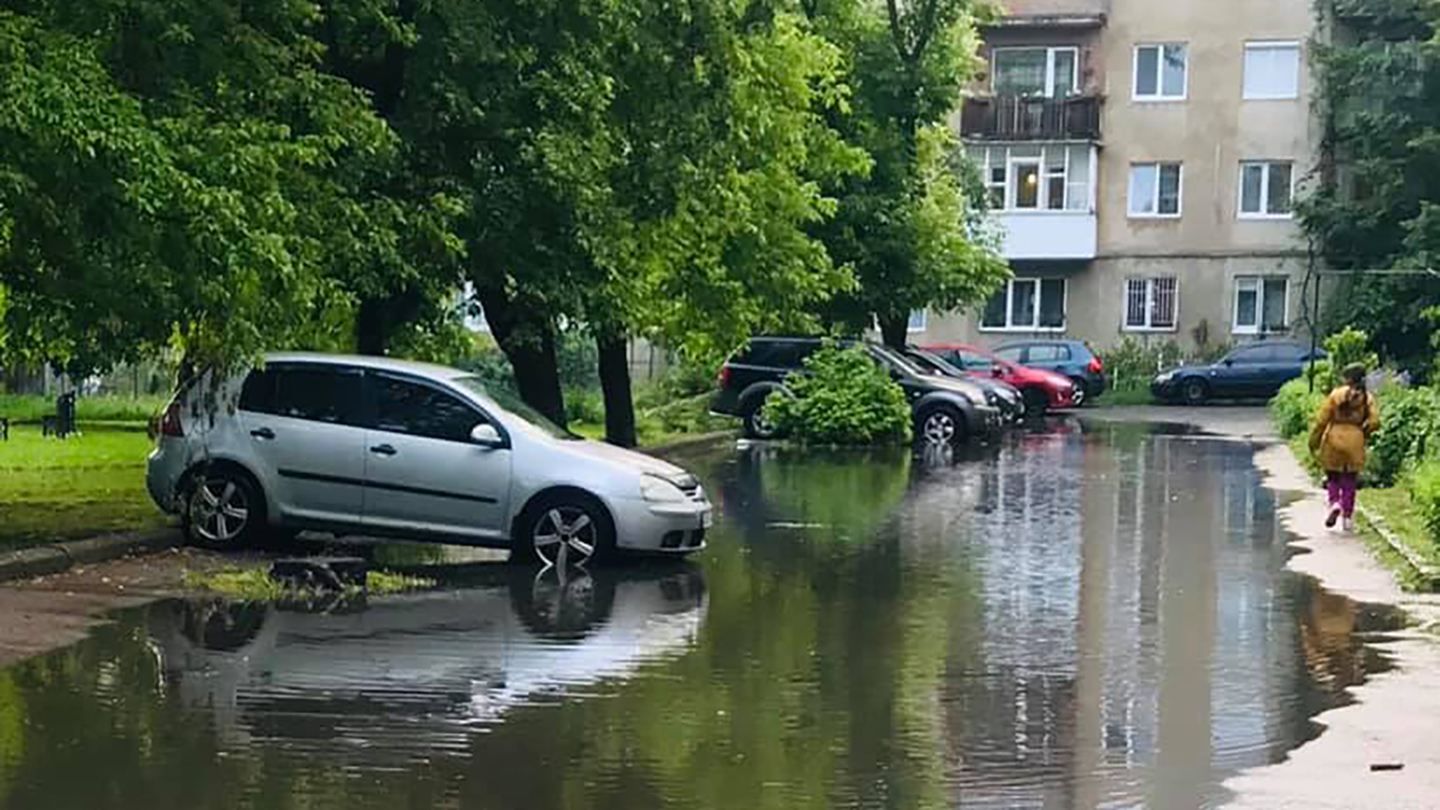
1409,433
843,397
1132,363
1425,491
1293,408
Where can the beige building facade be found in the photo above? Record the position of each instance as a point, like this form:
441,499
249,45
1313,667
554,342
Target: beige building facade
1142,161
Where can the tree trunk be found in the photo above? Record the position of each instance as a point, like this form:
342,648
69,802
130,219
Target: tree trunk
528,341
371,330
615,384
894,331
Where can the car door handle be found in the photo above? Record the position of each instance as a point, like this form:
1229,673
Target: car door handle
263,433
384,450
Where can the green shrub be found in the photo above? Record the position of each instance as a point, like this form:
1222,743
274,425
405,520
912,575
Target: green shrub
1425,491
1132,363
585,405
843,397
1409,433
1293,408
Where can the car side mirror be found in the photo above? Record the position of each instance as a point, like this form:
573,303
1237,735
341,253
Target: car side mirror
1228,362
485,435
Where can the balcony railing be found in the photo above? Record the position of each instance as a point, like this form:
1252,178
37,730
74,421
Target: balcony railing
1031,118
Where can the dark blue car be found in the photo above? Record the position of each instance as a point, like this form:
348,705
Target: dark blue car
1072,358
1251,371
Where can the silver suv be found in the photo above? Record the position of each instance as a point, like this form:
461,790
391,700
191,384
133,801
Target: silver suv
379,447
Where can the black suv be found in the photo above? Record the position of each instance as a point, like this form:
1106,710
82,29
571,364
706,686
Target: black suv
945,409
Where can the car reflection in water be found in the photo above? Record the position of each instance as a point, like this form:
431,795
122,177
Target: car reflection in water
419,673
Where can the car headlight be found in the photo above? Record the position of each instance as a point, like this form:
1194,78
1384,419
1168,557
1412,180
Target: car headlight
1165,377
655,489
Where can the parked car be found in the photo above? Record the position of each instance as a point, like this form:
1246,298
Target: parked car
1042,390
999,393
385,447
1250,371
944,409
1071,358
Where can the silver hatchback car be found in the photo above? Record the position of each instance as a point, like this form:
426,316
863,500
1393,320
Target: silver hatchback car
380,447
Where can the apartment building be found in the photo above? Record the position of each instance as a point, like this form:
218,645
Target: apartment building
1141,160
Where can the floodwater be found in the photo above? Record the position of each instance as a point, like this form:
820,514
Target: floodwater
1072,619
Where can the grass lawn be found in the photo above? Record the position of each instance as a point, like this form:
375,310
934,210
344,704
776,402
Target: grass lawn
667,422
18,408
86,485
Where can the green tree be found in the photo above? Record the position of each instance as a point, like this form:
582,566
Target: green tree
911,228
1375,203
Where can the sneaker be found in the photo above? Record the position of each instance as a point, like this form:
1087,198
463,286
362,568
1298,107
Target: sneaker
1333,517
1349,524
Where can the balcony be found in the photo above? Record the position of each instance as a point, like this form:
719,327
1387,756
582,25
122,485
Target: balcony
1047,235
1031,118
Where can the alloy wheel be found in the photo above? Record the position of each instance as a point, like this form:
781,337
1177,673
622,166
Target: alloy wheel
939,428
219,510
565,536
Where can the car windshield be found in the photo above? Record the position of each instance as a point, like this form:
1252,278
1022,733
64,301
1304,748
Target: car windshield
896,361
516,406
930,361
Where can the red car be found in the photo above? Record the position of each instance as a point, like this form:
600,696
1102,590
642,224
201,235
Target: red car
1042,390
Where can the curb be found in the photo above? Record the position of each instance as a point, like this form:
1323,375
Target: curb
60,557
689,441
1427,572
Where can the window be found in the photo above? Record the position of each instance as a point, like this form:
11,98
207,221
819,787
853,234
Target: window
1266,188
1160,72
1010,354
1261,304
919,320
313,393
1048,353
1055,177
1272,70
1251,356
1151,303
419,410
1027,304
1047,72
1155,190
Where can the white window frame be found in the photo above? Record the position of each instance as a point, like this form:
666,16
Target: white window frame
910,325
1034,327
1267,165
1012,179
1149,305
1259,281
1159,94
1266,45
1155,192
1050,52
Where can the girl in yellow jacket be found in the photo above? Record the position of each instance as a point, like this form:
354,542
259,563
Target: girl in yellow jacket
1337,439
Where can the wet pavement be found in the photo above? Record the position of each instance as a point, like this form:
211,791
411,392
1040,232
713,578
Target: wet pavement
1071,619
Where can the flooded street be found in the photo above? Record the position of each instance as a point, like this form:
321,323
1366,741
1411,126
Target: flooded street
1072,619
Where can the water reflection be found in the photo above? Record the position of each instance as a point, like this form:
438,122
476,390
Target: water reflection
1067,619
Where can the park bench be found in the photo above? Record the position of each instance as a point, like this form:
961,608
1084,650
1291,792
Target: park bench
61,423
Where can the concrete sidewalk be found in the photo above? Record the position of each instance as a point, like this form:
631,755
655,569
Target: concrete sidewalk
1395,719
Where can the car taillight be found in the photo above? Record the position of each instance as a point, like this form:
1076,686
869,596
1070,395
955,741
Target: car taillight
170,422
722,379
1096,366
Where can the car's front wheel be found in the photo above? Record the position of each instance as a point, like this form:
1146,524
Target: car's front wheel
1194,392
223,510
941,425
564,530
